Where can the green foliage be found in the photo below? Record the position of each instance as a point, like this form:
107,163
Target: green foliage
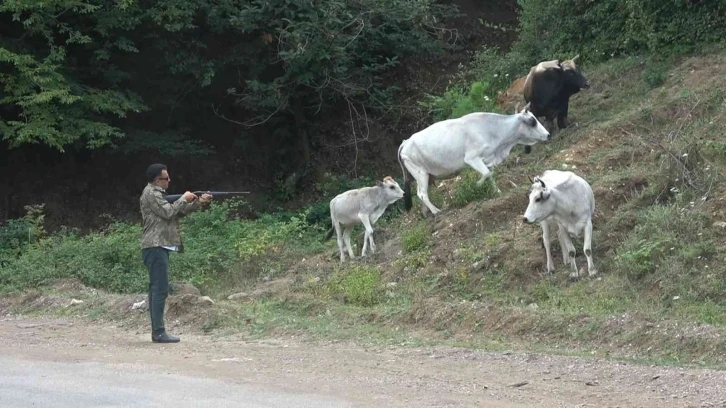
358,285
109,259
672,242
333,52
334,184
466,190
457,101
655,72
416,237
56,108
215,243
18,234
73,73
600,30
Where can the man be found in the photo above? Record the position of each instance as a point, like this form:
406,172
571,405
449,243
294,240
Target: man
160,236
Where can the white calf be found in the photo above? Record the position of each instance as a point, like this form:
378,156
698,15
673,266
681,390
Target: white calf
479,140
361,206
564,199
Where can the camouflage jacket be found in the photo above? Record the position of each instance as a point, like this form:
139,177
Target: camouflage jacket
161,219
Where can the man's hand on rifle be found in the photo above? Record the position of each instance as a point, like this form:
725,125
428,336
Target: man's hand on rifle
205,198
189,197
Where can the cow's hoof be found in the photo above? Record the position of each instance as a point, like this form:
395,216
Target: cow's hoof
574,277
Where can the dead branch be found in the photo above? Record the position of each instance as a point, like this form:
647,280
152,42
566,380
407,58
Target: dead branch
249,123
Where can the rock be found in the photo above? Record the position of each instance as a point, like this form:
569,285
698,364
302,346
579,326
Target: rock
186,303
138,305
183,288
76,302
239,296
720,224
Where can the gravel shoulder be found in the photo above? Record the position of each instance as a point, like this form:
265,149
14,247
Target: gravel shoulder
352,376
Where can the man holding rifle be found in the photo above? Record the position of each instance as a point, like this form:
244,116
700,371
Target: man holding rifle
161,235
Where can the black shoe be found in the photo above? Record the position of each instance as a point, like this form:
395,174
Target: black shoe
164,338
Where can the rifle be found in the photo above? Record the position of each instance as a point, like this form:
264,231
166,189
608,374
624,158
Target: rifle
173,197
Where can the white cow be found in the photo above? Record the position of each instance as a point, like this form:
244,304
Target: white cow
361,206
480,140
564,199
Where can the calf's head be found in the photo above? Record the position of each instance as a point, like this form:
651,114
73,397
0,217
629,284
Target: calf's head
573,78
529,129
541,205
391,190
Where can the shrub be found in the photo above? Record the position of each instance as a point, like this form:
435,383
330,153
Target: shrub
602,29
416,237
214,242
667,246
458,101
359,285
466,190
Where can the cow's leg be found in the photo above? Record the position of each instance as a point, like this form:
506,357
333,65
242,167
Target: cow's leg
562,121
588,249
546,242
339,234
476,163
563,245
571,255
551,126
422,185
368,237
346,237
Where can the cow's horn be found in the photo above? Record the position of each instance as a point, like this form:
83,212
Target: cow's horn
541,182
530,178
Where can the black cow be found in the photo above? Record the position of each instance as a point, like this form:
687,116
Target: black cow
548,88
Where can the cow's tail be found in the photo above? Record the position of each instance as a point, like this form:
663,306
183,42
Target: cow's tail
407,199
329,234
332,228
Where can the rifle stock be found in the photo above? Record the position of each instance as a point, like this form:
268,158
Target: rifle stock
170,198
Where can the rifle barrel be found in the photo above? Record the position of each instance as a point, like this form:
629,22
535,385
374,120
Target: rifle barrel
173,197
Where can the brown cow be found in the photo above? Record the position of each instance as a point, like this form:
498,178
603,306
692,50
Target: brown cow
513,94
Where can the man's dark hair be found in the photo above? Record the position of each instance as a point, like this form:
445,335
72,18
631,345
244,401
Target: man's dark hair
154,171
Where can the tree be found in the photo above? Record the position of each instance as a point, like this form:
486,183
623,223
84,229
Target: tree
52,63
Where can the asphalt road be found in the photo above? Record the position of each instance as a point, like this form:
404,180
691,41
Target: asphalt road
29,383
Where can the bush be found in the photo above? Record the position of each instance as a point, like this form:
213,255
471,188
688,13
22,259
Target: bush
466,190
457,101
602,29
670,247
17,234
416,237
214,242
358,285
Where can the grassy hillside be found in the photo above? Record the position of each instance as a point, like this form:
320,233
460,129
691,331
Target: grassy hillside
651,140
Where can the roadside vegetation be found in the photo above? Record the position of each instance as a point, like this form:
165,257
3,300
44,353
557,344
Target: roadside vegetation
649,136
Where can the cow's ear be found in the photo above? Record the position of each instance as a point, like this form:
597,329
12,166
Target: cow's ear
526,108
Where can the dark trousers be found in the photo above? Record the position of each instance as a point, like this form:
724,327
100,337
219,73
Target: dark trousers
157,261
